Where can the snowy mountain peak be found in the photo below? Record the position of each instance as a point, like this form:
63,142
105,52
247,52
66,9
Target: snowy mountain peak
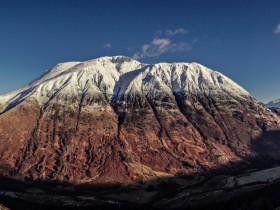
117,76
116,120
274,103
116,59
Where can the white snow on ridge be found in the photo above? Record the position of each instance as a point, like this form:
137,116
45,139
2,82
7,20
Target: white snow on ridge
191,78
274,103
120,75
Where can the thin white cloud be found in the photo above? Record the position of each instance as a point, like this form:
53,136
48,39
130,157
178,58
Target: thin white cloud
163,42
195,40
168,32
159,46
130,49
178,31
107,46
277,29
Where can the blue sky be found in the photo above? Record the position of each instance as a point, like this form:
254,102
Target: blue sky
241,39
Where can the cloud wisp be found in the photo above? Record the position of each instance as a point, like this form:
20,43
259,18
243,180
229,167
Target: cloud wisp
178,31
162,45
277,29
169,32
107,46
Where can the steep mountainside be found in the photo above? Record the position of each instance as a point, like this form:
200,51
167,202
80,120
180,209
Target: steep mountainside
113,119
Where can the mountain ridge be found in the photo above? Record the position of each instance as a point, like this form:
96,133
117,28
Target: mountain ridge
63,69
115,120
274,103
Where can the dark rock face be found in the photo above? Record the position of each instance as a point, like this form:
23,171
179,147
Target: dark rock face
85,134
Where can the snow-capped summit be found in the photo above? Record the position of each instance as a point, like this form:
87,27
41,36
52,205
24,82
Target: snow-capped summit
70,78
119,75
274,103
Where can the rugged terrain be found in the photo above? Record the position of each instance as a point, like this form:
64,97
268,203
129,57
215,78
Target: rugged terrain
115,120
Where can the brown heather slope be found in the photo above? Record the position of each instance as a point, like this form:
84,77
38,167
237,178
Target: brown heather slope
85,134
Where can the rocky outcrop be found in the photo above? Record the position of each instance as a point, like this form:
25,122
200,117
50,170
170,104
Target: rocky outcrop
113,119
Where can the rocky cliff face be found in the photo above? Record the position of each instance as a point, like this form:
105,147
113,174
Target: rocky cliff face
113,119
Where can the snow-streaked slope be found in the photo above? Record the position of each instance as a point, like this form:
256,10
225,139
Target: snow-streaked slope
117,76
190,78
70,79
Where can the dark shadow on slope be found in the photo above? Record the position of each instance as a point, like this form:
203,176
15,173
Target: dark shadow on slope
202,190
18,99
268,147
124,81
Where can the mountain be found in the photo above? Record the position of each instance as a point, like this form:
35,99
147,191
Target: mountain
274,103
274,106
116,120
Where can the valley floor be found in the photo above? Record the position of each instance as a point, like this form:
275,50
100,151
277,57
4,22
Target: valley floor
254,189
